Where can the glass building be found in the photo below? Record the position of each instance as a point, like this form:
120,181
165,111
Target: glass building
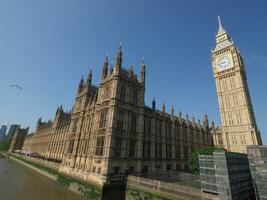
226,174
258,164
207,174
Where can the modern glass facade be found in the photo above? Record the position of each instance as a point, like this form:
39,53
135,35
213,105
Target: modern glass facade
226,174
207,174
258,164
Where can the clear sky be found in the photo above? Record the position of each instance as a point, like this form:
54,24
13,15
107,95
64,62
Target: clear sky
46,46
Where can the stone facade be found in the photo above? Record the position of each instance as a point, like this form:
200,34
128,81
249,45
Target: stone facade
110,131
238,124
27,145
18,139
56,141
40,139
49,139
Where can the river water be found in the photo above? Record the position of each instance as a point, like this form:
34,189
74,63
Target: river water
18,182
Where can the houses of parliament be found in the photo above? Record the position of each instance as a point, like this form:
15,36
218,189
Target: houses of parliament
110,130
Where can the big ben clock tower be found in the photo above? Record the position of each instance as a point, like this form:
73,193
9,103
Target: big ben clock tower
238,124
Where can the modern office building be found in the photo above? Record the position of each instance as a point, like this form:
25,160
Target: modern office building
3,131
12,130
18,139
258,164
226,174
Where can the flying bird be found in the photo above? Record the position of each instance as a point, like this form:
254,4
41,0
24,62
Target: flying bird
17,86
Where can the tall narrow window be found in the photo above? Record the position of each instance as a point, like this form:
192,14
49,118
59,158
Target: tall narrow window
135,96
107,92
168,151
147,128
158,130
103,118
116,170
74,126
99,146
146,149
123,93
185,153
70,148
120,120
133,124
177,152
132,148
158,150
118,147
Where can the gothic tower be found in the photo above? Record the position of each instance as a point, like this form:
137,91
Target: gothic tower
238,122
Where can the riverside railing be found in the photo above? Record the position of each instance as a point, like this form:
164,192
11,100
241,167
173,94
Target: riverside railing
173,188
43,162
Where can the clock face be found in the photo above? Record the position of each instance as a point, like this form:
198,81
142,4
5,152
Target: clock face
224,63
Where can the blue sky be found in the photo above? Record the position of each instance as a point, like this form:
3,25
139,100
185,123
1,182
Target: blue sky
46,46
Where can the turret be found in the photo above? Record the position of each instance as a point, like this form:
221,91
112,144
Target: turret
143,73
212,125
206,121
105,69
131,71
57,110
61,108
89,78
80,87
39,120
119,59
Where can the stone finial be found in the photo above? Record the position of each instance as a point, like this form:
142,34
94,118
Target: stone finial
180,114
89,77
143,72
105,68
39,120
163,107
80,87
172,110
119,58
154,104
111,67
131,71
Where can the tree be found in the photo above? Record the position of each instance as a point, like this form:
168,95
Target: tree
193,161
5,143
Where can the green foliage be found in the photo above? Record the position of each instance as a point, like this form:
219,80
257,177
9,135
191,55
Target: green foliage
62,180
5,143
193,162
88,191
139,194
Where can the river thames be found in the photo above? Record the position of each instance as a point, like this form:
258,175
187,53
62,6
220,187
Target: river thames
18,182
